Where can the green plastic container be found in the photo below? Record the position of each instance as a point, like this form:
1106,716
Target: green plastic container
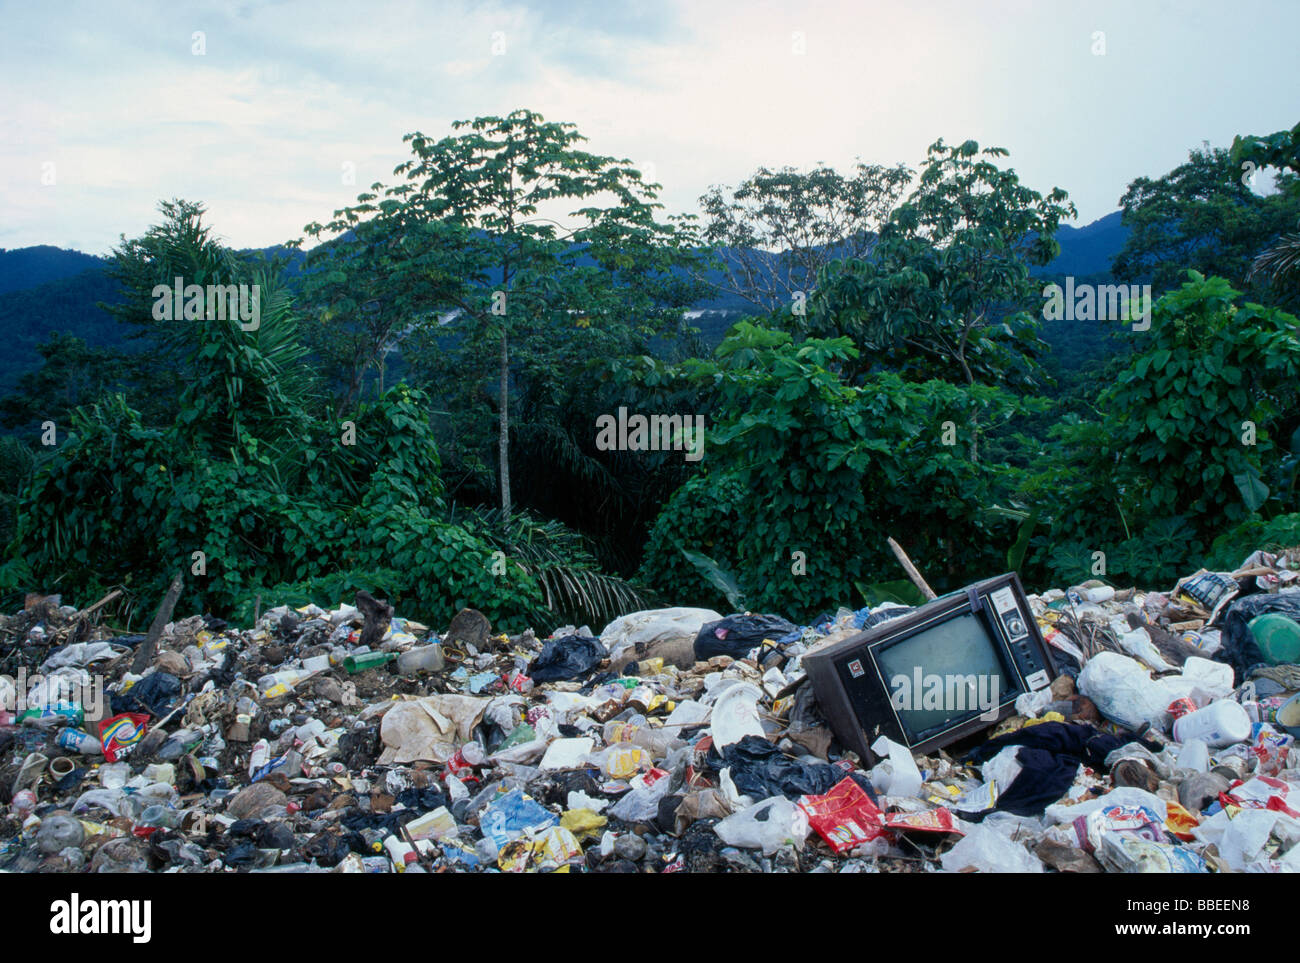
367,660
1278,637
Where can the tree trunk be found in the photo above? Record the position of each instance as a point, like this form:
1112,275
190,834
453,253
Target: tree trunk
975,418
503,438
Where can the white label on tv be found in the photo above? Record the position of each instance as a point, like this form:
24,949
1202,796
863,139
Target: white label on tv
1004,600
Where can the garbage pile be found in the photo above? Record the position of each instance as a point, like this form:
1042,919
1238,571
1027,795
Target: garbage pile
675,740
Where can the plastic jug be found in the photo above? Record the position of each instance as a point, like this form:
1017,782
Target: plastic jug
1218,725
424,658
1278,637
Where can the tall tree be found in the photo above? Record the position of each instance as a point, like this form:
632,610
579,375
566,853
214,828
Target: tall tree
773,234
1279,264
502,276
1201,216
947,293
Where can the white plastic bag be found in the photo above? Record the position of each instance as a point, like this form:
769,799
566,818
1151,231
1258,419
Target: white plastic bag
1003,768
897,774
566,753
769,825
1121,689
1122,796
987,851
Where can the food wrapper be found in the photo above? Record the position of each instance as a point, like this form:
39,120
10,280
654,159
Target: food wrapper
1179,822
120,734
1270,747
1139,821
929,821
845,816
554,850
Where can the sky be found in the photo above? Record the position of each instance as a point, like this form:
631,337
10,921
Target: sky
276,114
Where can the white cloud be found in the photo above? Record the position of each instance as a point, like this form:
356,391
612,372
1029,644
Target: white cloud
259,126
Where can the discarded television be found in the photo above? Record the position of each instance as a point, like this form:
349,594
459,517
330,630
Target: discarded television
934,674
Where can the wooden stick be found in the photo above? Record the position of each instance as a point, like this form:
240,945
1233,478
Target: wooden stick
101,603
144,652
911,571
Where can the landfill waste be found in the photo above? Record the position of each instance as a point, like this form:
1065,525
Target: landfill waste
352,740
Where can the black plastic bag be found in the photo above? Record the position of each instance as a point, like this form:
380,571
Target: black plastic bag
565,658
736,635
1239,647
761,770
153,694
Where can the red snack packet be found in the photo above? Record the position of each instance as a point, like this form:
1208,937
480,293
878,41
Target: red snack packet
119,734
845,817
930,821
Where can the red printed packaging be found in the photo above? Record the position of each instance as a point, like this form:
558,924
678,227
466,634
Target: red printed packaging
845,817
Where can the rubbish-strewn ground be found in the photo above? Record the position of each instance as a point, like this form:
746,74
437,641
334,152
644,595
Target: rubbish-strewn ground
340,741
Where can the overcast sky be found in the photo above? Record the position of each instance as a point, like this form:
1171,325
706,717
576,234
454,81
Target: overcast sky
121,104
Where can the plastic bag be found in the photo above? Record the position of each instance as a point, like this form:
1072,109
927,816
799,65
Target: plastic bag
897,775
567,657
120,734
567,753
1123,690
153,694
759,769
768,826
512,815
737,635
984,850
641,805
1126,853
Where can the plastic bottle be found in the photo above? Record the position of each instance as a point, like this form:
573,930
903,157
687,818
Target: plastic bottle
1218,725
413,863
260,756
368,660
61,713
75,740
159,817
178,744
424,658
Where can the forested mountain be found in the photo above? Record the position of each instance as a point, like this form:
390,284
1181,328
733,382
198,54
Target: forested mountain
45,289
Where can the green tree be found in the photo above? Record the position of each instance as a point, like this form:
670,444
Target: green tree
1201,216
1278,265
519,281
811,464
1183,444
948,293
773,234
371,287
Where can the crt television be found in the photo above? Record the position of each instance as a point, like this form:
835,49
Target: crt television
935,674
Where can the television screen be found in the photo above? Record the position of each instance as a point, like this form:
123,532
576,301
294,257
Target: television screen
943,673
